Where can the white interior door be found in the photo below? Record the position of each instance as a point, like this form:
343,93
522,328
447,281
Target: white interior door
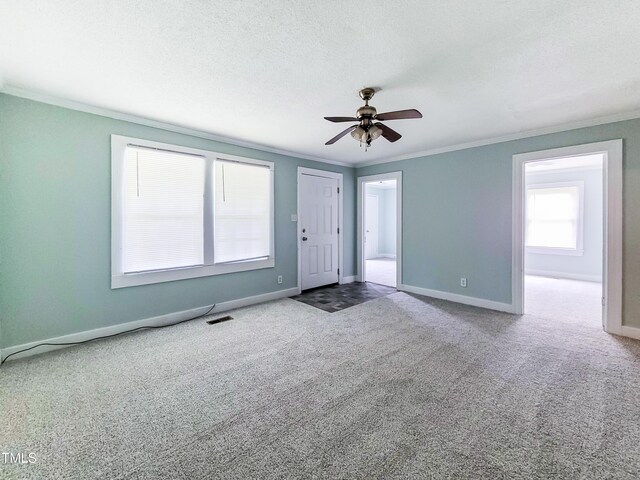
371,227
318,228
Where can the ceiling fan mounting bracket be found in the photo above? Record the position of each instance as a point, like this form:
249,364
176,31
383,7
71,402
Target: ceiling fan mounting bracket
367,93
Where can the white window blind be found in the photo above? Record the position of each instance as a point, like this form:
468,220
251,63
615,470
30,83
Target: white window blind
181,212
163,211
553,217
242,215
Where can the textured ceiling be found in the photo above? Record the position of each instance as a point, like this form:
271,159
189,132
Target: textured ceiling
267,72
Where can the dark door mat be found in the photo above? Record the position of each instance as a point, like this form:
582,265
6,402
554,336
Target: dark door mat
338,297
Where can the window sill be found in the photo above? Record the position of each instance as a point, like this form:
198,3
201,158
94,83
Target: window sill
122,280
555,251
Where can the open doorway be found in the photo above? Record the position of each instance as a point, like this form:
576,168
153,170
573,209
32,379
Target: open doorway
556,220
380,232
564,236
379,207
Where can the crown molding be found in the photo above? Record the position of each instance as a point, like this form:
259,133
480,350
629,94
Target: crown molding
127,117
104,112
617,117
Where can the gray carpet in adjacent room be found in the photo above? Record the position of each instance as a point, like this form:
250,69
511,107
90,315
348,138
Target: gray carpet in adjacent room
397,387
560,297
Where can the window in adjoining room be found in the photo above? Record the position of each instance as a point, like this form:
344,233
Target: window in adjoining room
554,218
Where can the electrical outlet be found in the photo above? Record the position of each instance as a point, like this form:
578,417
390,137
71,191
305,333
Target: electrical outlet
463,282
279,279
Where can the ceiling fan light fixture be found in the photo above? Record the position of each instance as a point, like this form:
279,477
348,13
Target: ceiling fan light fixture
359,134
374,132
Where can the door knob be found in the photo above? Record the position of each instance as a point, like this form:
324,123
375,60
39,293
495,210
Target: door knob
304,239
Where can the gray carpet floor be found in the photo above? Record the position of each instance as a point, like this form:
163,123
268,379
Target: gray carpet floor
397,387
559,297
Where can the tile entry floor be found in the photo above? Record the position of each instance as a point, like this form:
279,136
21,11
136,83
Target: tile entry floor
334,298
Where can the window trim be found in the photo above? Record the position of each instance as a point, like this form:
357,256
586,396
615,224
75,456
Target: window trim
119,279
579,250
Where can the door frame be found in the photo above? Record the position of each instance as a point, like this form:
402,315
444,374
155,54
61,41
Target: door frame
324,174
612,220
360,206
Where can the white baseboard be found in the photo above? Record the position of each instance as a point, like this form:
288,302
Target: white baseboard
387,255
350,279
245,302
568,276
160,320
454,297
631,332
626,331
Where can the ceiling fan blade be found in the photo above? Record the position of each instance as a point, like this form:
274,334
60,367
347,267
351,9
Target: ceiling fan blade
388,133
341,134
341,119
399,115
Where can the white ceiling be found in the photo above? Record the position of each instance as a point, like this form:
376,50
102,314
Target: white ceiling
267,72
383,184
582,162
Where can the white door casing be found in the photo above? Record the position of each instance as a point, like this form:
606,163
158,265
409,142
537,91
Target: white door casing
612,258
371,227
360,214
318,230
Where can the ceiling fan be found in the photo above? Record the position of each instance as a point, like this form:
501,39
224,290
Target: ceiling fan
368,127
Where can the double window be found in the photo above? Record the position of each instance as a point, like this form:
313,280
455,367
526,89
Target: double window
554,218
180,213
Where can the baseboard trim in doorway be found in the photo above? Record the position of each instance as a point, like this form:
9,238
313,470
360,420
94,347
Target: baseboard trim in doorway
627,331
454,297
568,276
160,320
350,279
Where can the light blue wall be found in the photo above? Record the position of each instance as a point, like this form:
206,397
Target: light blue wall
378,193
386,218
390,214
55,222
457,214
590,263
55,226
